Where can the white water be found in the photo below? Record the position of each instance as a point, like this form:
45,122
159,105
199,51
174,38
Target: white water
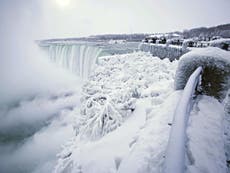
79,59
44,103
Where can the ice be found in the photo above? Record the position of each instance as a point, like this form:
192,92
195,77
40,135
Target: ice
216,70
139,139
147,152
205,145
144,80
176,146
110,94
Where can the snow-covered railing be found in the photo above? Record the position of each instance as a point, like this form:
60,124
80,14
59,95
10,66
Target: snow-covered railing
175,154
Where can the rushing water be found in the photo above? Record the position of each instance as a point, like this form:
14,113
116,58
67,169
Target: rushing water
80,57
34,125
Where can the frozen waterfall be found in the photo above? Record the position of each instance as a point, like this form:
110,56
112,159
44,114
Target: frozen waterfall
78,58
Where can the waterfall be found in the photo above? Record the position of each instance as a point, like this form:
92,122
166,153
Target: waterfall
78,58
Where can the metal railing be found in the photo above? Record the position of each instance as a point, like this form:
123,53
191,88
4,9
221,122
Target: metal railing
175,153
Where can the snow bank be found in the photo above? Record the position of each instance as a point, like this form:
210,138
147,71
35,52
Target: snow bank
118,80
216,70
163,51
109,96
205,147
147,152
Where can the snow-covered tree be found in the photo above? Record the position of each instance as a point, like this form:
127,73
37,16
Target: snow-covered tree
110,94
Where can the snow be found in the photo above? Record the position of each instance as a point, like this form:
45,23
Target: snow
104,153
167,35
139,139
213,60
171,52
227,126
127,108
146,80
147,151
176,145
205,145
109,96
219,42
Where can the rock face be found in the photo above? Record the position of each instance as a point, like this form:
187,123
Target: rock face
163,51
216,70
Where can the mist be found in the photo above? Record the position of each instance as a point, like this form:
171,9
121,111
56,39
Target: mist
39,100
25,69
36,96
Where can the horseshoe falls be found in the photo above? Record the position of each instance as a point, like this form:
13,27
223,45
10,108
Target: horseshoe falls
80,58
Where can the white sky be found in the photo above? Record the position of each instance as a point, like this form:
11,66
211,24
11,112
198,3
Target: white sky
74,18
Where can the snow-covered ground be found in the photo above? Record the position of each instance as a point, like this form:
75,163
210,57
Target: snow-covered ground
134,94
205,132
133,85
120,124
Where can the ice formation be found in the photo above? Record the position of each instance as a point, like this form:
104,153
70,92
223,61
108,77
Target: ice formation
110,94
117,95
216,70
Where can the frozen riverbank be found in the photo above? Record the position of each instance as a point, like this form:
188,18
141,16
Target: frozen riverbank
124,124
121,93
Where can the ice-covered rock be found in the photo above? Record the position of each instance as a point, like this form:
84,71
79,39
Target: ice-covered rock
216,70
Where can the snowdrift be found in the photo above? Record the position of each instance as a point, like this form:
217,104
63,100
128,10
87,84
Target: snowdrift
216,70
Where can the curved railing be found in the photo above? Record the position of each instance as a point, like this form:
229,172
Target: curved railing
175,154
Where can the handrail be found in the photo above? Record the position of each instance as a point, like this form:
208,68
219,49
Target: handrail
175,153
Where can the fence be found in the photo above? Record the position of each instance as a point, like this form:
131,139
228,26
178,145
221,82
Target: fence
175,153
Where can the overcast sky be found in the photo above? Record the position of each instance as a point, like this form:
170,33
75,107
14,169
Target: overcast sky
73,18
